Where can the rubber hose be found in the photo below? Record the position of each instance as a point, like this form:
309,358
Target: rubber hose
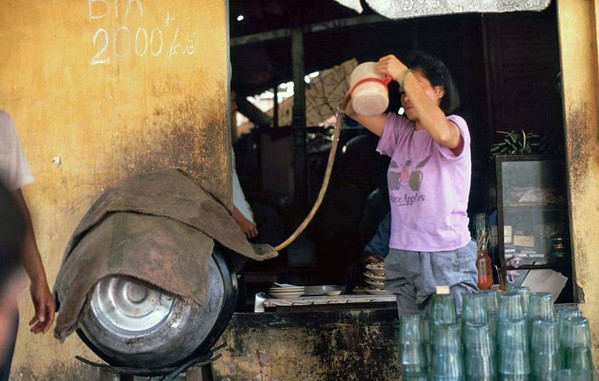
325,182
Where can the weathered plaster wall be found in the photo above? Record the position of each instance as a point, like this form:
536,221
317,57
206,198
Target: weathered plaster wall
99,90
348,345
578,43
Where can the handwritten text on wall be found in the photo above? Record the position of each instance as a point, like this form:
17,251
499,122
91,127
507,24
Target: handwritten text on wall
112,43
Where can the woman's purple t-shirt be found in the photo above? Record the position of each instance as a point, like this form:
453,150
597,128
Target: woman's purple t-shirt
428,187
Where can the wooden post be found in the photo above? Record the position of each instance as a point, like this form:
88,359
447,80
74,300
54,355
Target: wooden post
299,119
275,105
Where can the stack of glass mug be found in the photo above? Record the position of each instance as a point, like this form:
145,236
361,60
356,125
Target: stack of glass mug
512,336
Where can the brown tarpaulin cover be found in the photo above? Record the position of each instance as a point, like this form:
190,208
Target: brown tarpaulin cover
159,227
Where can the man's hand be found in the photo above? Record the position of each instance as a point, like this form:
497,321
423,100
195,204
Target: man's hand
247,227
368,258
43,302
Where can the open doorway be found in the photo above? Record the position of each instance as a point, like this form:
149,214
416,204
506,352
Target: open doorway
506,67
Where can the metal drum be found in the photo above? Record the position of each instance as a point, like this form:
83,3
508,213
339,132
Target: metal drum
131,323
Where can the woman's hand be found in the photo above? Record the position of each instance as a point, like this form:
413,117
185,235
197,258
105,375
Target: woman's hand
391,66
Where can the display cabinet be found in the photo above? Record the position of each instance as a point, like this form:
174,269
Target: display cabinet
533,218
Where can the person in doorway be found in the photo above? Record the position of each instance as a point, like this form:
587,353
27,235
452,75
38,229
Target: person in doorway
270,232
15,173
374,252
429,183
377,248
260,223
242,213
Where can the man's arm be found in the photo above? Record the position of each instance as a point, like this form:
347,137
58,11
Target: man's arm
378,246
43,302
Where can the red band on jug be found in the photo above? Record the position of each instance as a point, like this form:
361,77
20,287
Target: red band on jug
383,82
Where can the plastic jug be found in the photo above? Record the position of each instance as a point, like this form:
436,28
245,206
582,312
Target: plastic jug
369,94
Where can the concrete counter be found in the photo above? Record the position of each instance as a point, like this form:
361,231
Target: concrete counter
348,344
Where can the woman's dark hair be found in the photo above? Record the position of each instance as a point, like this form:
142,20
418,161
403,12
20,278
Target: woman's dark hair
438,75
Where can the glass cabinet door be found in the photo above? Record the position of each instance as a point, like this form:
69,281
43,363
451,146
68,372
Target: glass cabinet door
533,217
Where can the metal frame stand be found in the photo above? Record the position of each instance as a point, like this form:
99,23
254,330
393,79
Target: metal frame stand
106,375
196,369
196,373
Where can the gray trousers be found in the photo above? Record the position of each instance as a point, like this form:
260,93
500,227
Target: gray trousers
413,276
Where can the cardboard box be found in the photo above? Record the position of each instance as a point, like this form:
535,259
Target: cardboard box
524,240
507,234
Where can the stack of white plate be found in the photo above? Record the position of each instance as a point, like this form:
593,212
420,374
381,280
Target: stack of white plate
376,268
285,292
359,290
375,278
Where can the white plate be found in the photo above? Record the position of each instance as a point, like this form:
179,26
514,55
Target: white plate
287,295
374,276
376,285
359,291
376,270
286,289
378,292
322,289
286,292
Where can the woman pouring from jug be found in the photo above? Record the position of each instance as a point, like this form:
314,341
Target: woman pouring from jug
429,182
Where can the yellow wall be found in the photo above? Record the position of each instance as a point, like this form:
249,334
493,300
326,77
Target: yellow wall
100,89
577,20
166,106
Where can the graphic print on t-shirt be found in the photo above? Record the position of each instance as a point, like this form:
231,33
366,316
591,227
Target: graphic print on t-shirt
405,178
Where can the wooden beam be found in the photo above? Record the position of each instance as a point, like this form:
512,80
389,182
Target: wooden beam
298,121
260,37
275,105
312,28
253,113
345,23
